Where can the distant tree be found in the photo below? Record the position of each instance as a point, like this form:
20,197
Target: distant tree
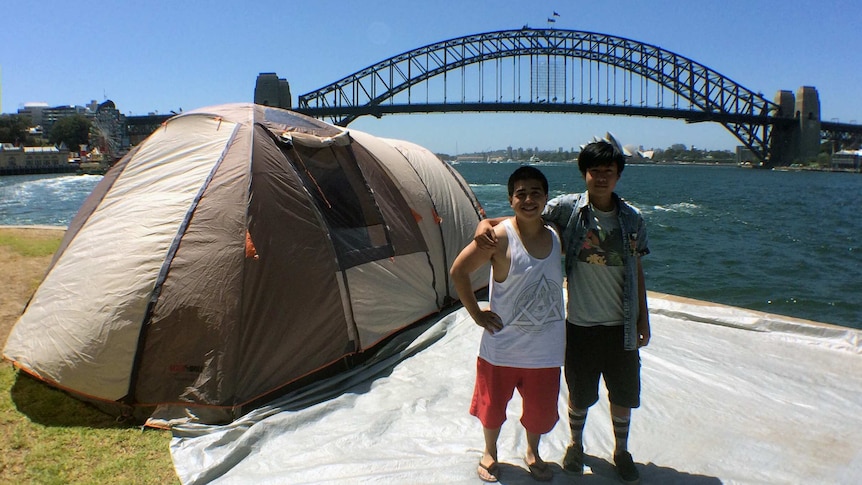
14,129
823,160
73,131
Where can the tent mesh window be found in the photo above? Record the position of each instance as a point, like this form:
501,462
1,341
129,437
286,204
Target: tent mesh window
361,229
339,191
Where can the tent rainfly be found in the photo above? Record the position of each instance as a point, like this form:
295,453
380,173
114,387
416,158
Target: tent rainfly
238,252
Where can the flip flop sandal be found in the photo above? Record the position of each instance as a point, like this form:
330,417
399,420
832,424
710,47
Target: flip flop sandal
488,473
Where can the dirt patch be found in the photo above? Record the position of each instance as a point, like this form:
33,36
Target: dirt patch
21,275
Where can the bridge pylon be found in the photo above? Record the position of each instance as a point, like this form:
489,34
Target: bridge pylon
785,139
270,90
808,113
798,140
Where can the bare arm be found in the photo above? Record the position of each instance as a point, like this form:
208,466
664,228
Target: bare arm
643,310
471,258
485,237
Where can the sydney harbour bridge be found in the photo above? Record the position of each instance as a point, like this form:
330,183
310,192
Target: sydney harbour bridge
571,71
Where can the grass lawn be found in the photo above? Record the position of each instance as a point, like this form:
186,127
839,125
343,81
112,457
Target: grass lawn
47,436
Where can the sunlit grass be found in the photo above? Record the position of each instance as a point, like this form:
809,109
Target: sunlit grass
48,437
30,246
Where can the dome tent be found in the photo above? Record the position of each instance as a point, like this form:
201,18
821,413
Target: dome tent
238,251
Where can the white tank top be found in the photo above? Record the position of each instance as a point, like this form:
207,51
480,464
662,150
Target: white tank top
530,304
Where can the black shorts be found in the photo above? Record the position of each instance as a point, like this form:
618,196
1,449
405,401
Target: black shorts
593,352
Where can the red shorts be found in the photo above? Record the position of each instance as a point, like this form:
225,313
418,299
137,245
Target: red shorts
495,385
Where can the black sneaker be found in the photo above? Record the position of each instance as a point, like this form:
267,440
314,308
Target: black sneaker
626,468
573,462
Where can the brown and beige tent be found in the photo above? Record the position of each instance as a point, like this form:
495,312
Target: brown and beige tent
239,251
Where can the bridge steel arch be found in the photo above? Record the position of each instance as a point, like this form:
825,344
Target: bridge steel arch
556,58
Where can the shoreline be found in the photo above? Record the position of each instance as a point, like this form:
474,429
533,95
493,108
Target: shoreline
34,226
761,315
765,316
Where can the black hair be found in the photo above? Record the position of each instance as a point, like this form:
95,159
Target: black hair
527,172
600,153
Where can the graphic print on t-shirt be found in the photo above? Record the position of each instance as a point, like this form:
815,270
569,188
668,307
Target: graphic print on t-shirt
603,244
538,304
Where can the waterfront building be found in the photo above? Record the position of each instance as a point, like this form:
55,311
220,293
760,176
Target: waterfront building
110,125
471,158
847,160
746,158
34,111
23,160
56,113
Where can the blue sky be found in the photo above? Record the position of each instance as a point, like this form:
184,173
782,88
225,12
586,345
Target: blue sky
163,55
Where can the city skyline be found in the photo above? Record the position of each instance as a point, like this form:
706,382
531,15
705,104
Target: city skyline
170,57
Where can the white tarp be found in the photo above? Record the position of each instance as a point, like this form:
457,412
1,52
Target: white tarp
729,396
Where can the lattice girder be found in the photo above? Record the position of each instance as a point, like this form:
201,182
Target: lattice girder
704,89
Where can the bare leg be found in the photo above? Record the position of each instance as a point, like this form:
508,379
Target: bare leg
491,435
533,448
620,411
488,464
539,470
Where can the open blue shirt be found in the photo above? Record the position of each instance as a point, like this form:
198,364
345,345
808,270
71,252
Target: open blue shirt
571,214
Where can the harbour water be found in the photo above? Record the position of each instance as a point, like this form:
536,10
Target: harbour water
43,200
779,242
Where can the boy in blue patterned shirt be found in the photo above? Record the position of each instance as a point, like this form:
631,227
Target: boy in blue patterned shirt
608,320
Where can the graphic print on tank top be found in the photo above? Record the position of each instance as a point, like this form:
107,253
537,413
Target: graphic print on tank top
604,243
537,304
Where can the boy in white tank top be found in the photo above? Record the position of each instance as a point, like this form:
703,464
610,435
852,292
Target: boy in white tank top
523,345
604,238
